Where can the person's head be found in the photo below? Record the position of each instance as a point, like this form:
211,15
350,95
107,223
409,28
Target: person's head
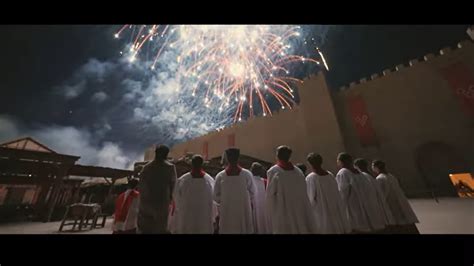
161,152
362,165
257,169
315,160
378,166
344,160
284,153
132,183
232,155
197,161
302,167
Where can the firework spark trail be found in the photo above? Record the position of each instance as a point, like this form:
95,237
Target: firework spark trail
222,68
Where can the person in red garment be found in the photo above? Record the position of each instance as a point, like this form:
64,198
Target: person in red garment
126,210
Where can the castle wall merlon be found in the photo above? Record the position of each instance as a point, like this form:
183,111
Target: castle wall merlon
386,71
399,67
428,57
464,43
470,32
445,50
413,62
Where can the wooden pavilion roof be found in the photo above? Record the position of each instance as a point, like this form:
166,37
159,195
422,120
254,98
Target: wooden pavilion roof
28,149
97,171
26,156
26,143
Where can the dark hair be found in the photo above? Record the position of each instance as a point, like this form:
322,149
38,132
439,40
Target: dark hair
132,183
284,153
161,152
197,161
232,155
314,159
379,164
362,164
302,167
345,158
257,169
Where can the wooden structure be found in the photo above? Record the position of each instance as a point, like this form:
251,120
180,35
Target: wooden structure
34,175
101,190
83,213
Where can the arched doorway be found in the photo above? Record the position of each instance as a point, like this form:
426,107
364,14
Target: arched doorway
436,161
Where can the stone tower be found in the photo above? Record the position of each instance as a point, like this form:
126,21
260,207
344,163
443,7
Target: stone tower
318,113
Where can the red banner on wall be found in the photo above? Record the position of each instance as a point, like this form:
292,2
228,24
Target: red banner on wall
461,81
231,140
205,150
361,119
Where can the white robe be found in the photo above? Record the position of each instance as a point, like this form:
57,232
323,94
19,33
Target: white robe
330,214
234,195
371,203
259,214
195,208
350,187
388,217
396,200
288,207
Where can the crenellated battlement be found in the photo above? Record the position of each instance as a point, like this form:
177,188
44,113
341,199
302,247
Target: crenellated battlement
412,63
254,119
325,123
286,113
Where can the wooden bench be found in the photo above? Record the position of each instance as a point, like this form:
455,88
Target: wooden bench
99,216
81,213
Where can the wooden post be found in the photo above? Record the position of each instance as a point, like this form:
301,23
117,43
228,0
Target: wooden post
110,189
76,195
61,173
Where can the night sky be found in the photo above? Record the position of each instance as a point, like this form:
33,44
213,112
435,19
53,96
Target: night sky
39,61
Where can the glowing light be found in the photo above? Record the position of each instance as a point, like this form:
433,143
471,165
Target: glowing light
324,60
237,70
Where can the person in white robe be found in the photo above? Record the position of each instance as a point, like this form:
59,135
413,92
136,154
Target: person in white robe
288,207
402,212
370,201
351,185
259,214
234,193
363,166
326,202
195,210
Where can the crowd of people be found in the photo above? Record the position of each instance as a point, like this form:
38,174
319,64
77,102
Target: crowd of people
282,200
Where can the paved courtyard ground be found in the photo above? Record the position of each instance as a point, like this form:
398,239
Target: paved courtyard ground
448,216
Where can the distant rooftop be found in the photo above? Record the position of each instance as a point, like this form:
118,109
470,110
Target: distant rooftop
26,143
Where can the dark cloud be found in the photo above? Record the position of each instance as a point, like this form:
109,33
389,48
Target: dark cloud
73,141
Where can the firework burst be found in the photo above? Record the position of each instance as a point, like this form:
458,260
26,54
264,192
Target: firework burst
231,69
